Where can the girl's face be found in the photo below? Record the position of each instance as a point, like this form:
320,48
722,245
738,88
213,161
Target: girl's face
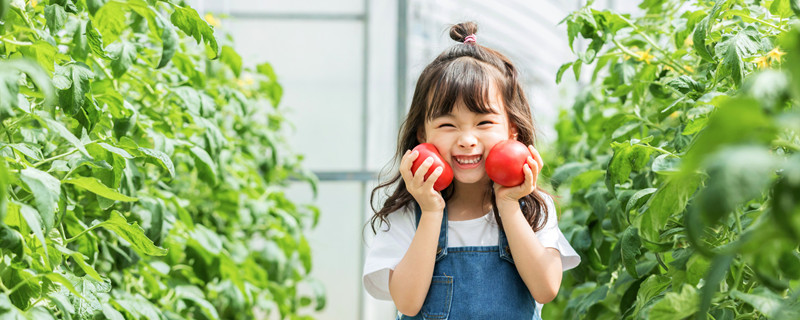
464,138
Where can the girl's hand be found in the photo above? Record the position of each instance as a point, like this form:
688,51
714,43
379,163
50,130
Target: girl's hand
422,190
511,195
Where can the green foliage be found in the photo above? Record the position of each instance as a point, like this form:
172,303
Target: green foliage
141,177
692,118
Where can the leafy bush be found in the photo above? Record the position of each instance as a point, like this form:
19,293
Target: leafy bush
681,162
142,176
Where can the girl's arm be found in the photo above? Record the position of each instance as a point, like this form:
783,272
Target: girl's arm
539,267
410,280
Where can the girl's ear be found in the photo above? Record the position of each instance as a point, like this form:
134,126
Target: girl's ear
420,136
512,132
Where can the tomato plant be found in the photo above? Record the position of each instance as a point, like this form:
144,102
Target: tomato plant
505,162
142,169
429,150
679,162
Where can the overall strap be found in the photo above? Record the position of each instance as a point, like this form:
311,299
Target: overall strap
502,241
441,249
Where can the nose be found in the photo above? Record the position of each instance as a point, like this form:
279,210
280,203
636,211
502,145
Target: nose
467,140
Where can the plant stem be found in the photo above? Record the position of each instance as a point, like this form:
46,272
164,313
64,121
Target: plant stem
55,157
19,285
81,233
15,42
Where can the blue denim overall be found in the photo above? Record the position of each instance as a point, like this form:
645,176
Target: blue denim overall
475,282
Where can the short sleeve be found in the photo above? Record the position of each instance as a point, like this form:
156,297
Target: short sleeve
387,249
552,237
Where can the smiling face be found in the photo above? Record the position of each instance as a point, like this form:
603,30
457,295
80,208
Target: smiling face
464,137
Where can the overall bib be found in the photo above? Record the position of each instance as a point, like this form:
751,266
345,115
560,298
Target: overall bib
475,282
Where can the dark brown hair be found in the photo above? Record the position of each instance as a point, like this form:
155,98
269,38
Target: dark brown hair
464,72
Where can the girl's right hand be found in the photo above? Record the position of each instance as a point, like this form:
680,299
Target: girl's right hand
422,190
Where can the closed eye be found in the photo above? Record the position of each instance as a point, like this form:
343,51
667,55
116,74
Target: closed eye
485,122
445,125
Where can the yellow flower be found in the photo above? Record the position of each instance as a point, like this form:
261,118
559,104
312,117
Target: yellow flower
34,3
776,54
644,56
688,68
212,20
688,42
675,115
762,62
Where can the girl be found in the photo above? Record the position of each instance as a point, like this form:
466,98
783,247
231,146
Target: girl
477,249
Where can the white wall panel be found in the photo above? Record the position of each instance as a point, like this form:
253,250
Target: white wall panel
287,7
320,65
335,246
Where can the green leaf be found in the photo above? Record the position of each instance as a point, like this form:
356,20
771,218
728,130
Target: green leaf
685,84
93,291
62,131
195,295
190,23
586,179
669,200
666,164
123,54
57,277
628,157
169,41
736,175
630,250
46,190
95,186
160,157
701,30
56,17
73,98
563,68
43,53
232,59
34,222
80,260
765,301
115,150
737,120
205,239
638,198
133,234
695,126
733,49
782,8
652,287
206,168
11,240
110,20
676,305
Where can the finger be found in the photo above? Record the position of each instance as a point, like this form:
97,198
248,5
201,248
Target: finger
432,178
419,176
534,166
536,156
405,165
529,178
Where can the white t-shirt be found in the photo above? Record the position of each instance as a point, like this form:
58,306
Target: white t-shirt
389,247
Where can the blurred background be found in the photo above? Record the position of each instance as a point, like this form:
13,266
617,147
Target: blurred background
348,70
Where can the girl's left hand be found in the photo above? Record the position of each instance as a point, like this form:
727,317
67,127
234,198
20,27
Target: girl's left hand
531,170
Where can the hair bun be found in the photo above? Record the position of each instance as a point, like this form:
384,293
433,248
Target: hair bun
460,31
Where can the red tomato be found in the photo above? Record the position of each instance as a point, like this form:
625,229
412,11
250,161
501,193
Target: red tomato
504,163
428,150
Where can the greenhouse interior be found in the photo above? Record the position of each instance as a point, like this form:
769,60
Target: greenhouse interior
241,159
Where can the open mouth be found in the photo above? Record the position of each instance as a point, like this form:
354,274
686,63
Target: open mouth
468,160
